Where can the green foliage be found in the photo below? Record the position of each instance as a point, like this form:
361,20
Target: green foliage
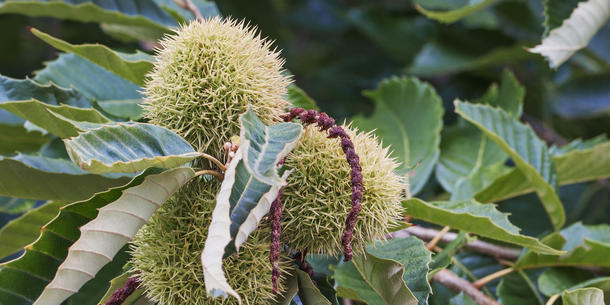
528,152
132,67
108,105
128,148
408,116
39,177
477,218
24,230
583,296
115,225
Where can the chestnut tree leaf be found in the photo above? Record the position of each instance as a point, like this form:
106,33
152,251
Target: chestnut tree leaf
575,32
128,148
132,67
591,295
137,13
373,280
57,120
44,178
408,116
24,230
574,165
480,219
529,153
585,245
250,185
113,227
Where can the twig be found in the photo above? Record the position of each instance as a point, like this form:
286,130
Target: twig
347,302
457,284
477,245
188,5
210,172
544,131
215,161
432,244
483,281
552,299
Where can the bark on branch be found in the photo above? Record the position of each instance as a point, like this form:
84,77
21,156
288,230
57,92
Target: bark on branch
458,284
477,245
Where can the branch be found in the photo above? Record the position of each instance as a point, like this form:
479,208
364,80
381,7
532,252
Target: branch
477,245
457,284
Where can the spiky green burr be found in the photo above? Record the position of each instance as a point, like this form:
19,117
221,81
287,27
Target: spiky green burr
317,198
167,252
207,74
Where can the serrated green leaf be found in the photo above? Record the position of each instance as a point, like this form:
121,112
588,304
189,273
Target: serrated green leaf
11,205
299,98
114,226
118,283
250,185
471,216
574,166
38,177
140,13
469,160
529,153
575,32
585,246
414,256
454,13
436,58
555,280
589,296
556,11
127,109
373,280
72,71
408,116
128,148
24,89
132,67
22,231
23,279
46,116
